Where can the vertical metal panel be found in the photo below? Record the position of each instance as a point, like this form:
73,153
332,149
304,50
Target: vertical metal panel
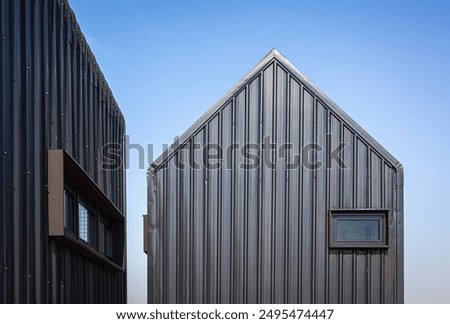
293,204
348,184
198,221
212,211
306,197
266,250
335,193
260,234
240,192
279,192
320,208
172,232
399,214
226,205
152,237
253,207
185,227
53,96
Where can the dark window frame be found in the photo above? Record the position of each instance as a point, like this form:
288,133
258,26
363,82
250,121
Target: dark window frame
91,221
65,174
100,227
380,215
105,237
71,229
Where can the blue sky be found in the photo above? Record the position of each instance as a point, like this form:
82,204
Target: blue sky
386,63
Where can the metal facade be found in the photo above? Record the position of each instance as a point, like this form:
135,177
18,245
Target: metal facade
259,235
53,96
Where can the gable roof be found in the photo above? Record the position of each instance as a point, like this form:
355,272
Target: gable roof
273,55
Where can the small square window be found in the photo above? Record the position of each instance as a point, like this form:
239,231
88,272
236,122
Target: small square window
358,229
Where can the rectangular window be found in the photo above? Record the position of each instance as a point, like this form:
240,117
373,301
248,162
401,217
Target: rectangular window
108,242
358,229
105,239
92,229
86,224
83,222
101,237
69,211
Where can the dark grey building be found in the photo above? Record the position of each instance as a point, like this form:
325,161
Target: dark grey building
275,195
62,202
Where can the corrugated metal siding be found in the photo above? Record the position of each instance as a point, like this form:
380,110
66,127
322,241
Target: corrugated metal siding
53,96
259,236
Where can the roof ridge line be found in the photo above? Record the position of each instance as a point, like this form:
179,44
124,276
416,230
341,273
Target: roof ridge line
273,54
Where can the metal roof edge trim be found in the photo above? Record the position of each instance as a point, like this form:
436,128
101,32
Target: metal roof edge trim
274,54
399,167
